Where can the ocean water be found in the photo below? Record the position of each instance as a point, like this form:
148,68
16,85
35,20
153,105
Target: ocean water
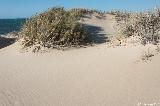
10,25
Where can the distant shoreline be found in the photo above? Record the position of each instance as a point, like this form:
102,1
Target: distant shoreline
11,25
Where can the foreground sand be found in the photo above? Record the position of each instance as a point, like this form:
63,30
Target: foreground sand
93,76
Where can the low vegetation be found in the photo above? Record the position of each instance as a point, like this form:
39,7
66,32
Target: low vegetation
145,24
56,28
59,28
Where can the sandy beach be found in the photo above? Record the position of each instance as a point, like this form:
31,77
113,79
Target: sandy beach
94,76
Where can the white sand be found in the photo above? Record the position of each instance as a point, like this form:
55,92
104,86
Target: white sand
93,76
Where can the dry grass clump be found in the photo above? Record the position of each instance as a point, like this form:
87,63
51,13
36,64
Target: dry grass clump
145,24
55,28
158,48
146,56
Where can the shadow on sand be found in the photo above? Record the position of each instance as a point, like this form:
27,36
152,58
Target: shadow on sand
97,34
4,42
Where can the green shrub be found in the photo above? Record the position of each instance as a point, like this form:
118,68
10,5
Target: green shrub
145,24
55,28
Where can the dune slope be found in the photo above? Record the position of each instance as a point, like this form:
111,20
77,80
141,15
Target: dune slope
93,76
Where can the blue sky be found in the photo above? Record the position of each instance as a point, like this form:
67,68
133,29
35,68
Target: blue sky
27,8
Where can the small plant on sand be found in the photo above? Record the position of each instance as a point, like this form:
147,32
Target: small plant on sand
158,48
147,55
55,28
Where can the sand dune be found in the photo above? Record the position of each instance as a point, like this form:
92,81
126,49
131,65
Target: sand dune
93,76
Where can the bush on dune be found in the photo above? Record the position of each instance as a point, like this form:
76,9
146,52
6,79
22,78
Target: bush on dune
145,24
55,28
